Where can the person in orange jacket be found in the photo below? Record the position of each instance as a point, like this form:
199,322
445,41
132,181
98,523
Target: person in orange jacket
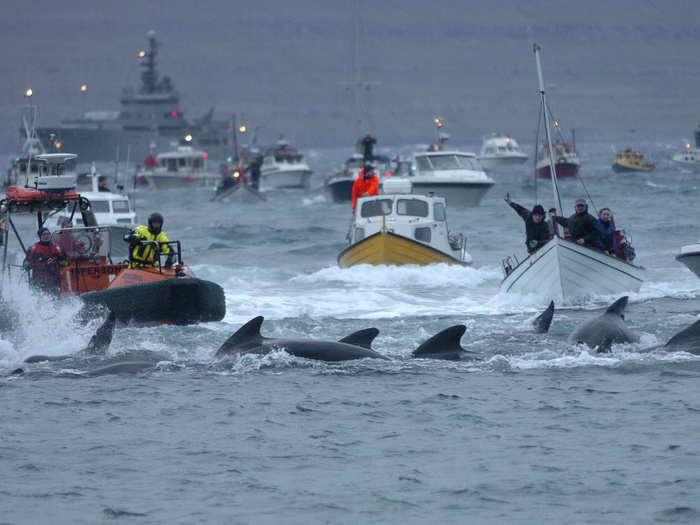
365,185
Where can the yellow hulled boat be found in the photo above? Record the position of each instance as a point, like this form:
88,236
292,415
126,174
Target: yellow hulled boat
402,228
629,160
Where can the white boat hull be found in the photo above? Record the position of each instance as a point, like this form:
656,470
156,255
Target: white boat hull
164,182
690,256
501,163
277,179
456,194
564,270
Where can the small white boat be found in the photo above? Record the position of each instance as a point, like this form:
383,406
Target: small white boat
398,227
689,157
455,175
185,167
21,166
563,270
109,208
690,256
284,167
500,152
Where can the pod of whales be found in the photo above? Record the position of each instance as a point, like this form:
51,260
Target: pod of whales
599,333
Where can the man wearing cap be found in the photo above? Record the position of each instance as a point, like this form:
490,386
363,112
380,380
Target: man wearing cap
365,185
44,259
536,230
582,226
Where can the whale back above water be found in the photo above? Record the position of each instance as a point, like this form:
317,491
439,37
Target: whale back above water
542,322
445,345
687,340
606,329
248,339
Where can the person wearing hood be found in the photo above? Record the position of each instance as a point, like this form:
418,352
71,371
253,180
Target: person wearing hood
582,226
143,255
44,260
367,184
607,231
536,229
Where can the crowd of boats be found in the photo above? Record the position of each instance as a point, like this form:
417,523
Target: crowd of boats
402,223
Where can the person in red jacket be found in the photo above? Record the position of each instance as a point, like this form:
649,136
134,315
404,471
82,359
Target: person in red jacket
44,259
365,185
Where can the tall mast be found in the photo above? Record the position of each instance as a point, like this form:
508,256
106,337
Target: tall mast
552,169
358,72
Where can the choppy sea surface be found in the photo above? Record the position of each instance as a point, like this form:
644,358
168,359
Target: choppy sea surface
535,431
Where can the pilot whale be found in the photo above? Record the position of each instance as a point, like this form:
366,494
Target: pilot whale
358,345
98,345
606,329
687,340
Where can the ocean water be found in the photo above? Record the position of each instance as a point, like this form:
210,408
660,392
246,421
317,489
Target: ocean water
535,431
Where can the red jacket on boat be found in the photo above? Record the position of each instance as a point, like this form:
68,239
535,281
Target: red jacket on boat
364,188
43,260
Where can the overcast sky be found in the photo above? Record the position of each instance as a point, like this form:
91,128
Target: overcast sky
283,65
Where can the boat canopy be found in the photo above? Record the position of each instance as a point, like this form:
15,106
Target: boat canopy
447,161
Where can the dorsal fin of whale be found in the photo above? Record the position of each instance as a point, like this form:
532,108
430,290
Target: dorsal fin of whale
361,338
246,336
688,337
618,307
99,343
444,345
542,322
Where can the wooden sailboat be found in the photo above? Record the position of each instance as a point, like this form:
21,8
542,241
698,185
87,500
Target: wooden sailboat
563,269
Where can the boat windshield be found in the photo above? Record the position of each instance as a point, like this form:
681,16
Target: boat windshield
92,242
120,206
446,162
413,207
376,208
99,206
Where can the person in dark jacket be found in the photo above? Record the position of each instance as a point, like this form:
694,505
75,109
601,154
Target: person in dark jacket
607,231
368,143
582,226
536,229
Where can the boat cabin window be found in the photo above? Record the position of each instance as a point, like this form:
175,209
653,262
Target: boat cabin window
171,164
376,208
120,206
182,162
422,234
359,234
414,207
100,206
198,162
489,150
469,163
439,211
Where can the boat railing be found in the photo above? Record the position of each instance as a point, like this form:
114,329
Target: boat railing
509,263
174,251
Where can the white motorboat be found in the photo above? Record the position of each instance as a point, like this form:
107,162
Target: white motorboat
562,269
690,256
689,157
399,227
184,167
500,152
109,208
339,182
284,167
455,175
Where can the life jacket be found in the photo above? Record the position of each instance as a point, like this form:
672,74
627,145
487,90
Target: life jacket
142,256
43,260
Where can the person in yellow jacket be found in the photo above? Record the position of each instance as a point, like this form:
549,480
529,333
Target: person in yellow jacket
145,255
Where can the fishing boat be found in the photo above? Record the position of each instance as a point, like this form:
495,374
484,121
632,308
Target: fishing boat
563,269
183,167
631,161
564,157
21,165
690,256
97,267
500,152
399,227
284,167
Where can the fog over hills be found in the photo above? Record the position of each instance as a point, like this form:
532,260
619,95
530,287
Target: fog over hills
284,66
